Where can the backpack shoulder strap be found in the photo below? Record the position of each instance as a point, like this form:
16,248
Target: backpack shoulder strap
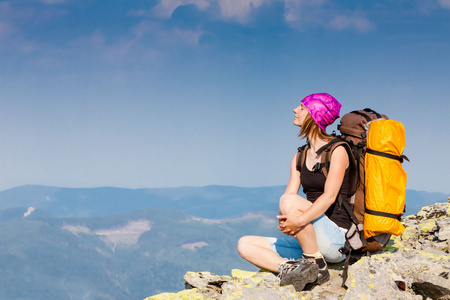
326,160
301,157
324,164
328,149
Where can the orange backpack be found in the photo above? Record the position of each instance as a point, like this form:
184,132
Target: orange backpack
376,198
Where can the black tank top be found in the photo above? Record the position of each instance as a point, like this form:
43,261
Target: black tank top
313,186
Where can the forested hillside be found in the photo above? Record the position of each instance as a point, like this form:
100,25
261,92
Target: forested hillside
110,243
128,256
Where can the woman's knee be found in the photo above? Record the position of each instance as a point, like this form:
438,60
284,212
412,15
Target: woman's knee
244,244
290,201
248,244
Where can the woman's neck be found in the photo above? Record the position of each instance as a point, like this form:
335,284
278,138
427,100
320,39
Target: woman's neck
316,143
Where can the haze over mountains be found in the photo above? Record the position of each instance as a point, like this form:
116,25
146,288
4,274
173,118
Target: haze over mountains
112,243
214,202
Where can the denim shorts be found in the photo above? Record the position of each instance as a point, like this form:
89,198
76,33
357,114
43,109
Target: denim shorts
329,236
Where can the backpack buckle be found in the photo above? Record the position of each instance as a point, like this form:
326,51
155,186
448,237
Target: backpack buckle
317,168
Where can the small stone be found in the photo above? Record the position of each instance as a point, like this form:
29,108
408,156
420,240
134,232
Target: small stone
444,233
429,227
442,246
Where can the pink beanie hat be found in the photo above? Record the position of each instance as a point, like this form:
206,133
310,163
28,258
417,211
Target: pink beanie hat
323,108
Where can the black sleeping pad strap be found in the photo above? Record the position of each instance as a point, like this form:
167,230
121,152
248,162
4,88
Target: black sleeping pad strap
387,155
383,214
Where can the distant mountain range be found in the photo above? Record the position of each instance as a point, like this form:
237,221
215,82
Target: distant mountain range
215,202
111,243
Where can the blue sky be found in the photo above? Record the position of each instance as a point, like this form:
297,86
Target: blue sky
168,93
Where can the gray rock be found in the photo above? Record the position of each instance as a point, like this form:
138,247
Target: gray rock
444,229
375,277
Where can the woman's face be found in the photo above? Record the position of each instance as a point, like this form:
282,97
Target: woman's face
300,114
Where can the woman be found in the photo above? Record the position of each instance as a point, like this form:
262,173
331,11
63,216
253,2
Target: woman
315,226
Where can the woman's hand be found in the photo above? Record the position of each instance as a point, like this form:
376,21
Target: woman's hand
291,223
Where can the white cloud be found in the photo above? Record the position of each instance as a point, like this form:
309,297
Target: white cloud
16,18
143,28
343,22
96,44
444,3
229,9
138,13
297,13
301,13
189,37
147,41
239,9
166,36
165,8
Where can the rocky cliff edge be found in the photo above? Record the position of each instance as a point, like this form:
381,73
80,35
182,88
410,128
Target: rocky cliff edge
415,265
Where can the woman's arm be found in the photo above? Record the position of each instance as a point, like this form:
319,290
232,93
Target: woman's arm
287,207
293,185
338,164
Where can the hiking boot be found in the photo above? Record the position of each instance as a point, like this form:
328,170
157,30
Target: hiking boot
324,274
298,273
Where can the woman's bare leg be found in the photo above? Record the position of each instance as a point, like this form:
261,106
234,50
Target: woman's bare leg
307,236
256,250
307,239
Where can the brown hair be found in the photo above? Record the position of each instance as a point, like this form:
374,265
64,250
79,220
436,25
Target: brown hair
310,129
